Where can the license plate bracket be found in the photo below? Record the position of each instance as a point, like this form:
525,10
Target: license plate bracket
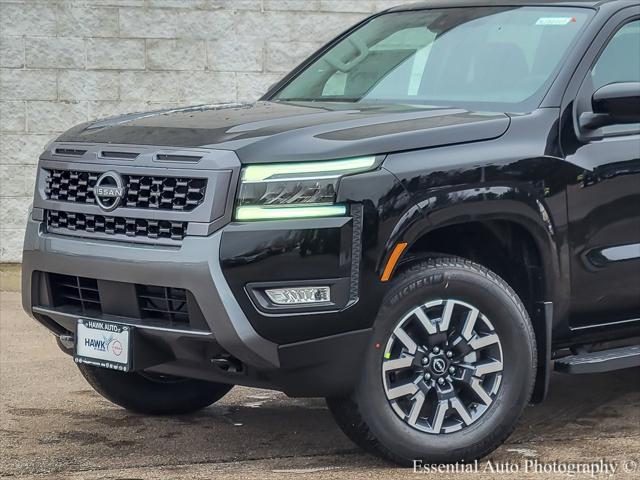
103,344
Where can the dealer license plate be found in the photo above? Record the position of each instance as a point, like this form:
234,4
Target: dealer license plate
103,344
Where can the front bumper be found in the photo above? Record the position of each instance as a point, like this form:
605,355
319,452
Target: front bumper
316,358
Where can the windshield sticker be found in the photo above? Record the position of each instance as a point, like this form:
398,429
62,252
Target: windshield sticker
555,20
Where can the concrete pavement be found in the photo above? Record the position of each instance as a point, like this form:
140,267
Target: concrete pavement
53,426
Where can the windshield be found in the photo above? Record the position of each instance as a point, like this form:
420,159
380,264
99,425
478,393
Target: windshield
491,58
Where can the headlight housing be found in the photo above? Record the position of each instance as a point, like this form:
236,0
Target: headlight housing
295,190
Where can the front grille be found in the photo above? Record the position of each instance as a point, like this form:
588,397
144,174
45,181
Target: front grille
68,186
153,305
78,292
130,227
142,191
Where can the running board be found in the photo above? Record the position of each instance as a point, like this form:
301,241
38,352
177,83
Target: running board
603,361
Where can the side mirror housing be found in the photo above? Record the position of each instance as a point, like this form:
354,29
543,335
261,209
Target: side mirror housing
616,103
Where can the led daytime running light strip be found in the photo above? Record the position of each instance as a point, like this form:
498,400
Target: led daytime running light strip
275,213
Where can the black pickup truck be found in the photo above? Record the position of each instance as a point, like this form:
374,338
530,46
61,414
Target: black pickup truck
420,223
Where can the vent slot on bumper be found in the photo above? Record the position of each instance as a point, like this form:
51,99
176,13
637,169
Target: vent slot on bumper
81,293
167,307
163,303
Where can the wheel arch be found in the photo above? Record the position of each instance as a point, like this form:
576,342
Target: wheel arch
508,230
477,223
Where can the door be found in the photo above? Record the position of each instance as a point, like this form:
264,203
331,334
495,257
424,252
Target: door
604,202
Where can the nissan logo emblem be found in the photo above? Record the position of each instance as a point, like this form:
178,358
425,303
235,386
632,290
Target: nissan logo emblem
438,366
109,191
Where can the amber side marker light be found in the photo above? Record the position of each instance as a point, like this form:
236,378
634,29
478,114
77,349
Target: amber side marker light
393,260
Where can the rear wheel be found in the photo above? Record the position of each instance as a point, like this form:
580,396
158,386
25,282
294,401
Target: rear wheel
153,394
450,369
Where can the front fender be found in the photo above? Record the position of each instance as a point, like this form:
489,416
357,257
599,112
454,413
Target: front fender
452,206
519,178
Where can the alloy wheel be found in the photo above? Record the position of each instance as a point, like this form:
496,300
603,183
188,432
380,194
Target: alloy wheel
442,366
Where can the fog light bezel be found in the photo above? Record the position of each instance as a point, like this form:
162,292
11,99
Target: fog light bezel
339,296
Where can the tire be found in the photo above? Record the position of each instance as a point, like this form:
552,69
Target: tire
377,421
153,395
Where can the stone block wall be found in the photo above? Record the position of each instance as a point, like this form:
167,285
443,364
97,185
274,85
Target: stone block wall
63,62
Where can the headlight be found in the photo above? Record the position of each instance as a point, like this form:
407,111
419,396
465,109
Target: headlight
295,190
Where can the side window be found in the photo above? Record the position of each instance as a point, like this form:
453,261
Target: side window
618,62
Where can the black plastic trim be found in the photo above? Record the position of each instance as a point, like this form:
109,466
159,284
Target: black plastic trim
339,296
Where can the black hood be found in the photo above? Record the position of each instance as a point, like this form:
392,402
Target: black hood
270,131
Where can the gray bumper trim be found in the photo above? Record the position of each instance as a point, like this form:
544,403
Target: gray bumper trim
235,332
194,266
71,318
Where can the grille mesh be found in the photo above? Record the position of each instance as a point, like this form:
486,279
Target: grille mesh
142,191
131,227
71,186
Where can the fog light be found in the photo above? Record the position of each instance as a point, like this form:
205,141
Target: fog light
299,295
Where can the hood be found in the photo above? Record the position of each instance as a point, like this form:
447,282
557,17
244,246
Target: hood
276,131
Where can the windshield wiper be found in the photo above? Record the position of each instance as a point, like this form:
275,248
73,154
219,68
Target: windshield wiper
320,99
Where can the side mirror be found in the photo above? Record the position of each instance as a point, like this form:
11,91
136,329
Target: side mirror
616,103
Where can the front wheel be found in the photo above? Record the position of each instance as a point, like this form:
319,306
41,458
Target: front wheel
153,394
450,368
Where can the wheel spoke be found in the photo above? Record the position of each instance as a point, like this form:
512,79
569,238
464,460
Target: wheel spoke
457,405
488,367
426,322
424,386
444,391
438,416
398,363
479,390
478,343
467,377
469,324
446,315
406,340
402,391
418,402
461,347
